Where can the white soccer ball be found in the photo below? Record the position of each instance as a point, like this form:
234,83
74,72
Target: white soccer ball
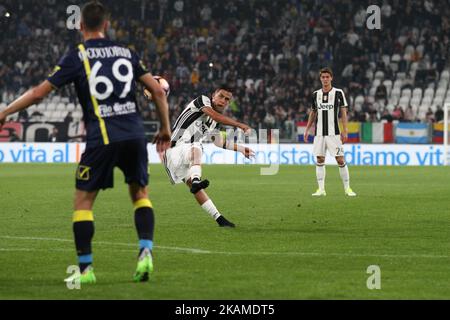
163,83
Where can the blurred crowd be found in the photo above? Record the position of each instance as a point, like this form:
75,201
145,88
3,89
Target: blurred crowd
269,51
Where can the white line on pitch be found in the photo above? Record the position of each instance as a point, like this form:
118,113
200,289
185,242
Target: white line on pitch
201,251
17,249
192,250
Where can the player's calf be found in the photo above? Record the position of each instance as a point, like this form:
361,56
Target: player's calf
208,206
144,221
345,176
320,176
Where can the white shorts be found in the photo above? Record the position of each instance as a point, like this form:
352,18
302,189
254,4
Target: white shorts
177,161
331,143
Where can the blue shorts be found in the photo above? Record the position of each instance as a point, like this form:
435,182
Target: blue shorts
96,168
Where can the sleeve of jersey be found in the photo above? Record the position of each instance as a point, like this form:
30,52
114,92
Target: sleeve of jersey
200,103
343,102
313,102
139,67
65,71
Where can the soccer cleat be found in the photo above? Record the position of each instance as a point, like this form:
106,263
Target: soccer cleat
198,185
144,266
349,192
224,222
86,277
319,193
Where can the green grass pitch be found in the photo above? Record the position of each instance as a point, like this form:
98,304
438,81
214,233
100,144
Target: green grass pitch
287,245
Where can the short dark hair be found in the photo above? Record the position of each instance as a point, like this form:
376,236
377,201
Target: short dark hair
224,86
94,14
326,70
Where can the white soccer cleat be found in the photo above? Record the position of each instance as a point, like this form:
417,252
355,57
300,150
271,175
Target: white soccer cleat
349,192
319,193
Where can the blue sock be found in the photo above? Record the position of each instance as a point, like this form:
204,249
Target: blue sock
145,244
84,261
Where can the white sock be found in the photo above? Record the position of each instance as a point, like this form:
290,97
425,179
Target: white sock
320,174
195,172
345,176
210,208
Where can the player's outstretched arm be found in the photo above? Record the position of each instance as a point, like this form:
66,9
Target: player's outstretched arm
220,118
32,96
311,119
220,141
162,138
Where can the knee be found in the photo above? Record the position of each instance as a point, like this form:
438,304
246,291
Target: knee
320,160
84,200
138,192
340,161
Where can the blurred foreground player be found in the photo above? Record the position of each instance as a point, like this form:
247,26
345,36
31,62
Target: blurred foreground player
104,74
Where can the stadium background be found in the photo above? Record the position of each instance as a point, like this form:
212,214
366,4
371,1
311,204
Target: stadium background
396,79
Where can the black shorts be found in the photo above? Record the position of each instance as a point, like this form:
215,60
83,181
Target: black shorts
96,168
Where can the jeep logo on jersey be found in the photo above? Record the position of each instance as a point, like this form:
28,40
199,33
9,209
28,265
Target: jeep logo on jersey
323,106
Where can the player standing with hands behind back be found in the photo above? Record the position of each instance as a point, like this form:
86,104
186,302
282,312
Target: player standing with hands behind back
326,104
105,75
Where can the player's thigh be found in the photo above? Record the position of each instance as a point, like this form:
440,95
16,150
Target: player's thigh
319,147
334,146
177,163
196,153
133,161
96,168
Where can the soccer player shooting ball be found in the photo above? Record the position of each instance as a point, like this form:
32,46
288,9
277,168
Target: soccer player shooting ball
183,160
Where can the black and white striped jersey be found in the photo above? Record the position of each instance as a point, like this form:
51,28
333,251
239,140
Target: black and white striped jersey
327,106
193,125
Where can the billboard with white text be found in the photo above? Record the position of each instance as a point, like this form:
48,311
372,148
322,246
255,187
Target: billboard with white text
292,154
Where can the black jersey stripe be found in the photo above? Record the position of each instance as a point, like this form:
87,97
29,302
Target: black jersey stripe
314,102
177,134
324,122
180,122
336,121
185,111
191,119
199,102
315,124
337,100
182,118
